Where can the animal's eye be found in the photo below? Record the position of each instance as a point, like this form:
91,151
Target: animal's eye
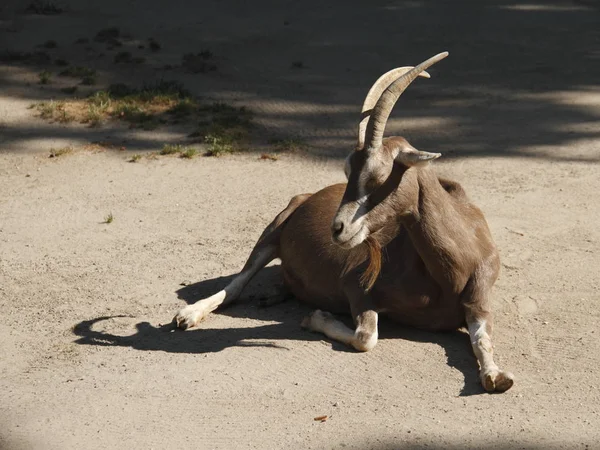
371,184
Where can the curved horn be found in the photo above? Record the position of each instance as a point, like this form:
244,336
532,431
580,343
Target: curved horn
383,108
382,83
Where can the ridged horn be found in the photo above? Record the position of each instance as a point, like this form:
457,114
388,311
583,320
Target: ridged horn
382,83
389,97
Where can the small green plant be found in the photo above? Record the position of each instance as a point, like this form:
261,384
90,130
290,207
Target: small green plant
93,116
188,152
63,116
135,115
183,108
101,99
135,158
52,111
217,146
170,149
44,77
109,219
55,153
47,109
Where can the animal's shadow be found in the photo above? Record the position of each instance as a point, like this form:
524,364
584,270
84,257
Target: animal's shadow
287,316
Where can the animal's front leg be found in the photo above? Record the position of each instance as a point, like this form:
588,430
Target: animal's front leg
364,337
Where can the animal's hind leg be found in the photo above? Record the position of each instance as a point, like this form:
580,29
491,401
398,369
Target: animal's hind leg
265,251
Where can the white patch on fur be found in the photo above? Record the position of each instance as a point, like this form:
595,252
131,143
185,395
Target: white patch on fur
477,330
191,315
370,342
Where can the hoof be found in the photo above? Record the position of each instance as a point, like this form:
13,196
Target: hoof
497,381
188,317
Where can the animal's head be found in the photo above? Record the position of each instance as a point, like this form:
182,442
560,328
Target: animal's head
377,188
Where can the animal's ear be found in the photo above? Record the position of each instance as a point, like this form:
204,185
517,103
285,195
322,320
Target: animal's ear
410,156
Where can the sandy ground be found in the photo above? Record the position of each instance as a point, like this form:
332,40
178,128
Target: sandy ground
85,362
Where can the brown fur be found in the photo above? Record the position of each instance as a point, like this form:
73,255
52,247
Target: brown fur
369,276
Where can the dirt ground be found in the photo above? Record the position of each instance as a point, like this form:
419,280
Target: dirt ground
85,359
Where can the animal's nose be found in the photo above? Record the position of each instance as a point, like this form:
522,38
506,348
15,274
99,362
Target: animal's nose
336,228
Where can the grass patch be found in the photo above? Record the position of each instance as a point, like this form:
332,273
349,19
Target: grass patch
135,116
224,128
93,116
217,146
178,149
288,145
56,152
53,111
144,108
183,109
189,153
135,158
171,149
44,77
109,218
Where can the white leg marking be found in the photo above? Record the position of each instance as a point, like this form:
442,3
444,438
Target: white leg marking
492,378
191,315
324,322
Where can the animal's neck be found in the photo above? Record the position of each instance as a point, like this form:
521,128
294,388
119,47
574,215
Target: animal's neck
438,232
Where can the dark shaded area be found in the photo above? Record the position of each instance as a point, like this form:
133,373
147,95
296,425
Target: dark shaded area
503,89
288,316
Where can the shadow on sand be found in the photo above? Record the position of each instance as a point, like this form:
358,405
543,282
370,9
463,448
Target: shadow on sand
287,316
